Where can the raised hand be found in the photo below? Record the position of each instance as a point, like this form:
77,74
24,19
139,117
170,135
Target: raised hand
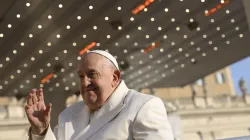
38,114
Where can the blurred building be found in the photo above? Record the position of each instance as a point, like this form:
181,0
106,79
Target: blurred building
13,121
208,109
216,84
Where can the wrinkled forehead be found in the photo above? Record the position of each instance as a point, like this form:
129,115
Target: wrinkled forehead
91,61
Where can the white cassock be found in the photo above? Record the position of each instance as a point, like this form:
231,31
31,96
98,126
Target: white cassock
127,115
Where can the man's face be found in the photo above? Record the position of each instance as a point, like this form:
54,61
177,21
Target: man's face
97,80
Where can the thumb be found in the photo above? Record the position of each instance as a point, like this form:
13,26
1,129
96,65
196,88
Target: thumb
26,107
48,109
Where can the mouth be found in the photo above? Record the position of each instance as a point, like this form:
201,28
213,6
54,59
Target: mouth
90,89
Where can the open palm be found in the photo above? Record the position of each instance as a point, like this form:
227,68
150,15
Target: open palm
38,114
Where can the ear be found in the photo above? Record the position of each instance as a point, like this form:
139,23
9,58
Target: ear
116,78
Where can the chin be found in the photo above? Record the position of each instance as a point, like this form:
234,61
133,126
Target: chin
93,107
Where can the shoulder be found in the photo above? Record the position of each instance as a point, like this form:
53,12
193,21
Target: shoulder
141,99
139,95
71,110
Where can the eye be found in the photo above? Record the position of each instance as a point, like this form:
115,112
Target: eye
80,76
92,75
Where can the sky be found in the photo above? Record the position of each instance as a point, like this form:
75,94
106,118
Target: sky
238,70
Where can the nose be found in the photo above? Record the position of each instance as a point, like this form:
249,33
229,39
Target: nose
85,82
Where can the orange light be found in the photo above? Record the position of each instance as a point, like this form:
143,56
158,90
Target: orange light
91,45
147,3
142,6
213,10
219,6
148,49
48,77
135,11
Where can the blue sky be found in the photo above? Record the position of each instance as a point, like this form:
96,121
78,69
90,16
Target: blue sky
241,69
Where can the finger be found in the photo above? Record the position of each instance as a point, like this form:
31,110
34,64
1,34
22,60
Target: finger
48,109
29,99
34,96
40,95
27,107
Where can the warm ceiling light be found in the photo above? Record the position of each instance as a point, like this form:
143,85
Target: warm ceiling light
30,35
84,36
79,58
40,51
7,59
60,5
28,4
32,58
22,44
14,51
49,44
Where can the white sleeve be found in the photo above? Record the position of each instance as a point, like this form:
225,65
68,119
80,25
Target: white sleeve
151,122
36,137
48,136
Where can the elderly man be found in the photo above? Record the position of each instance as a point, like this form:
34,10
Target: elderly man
109,111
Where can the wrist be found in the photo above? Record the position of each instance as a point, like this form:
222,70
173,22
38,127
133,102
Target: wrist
39,131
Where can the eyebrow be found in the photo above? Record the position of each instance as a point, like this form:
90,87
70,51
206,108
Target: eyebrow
78,72
89,70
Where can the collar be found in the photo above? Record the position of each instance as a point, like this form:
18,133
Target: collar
114,100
